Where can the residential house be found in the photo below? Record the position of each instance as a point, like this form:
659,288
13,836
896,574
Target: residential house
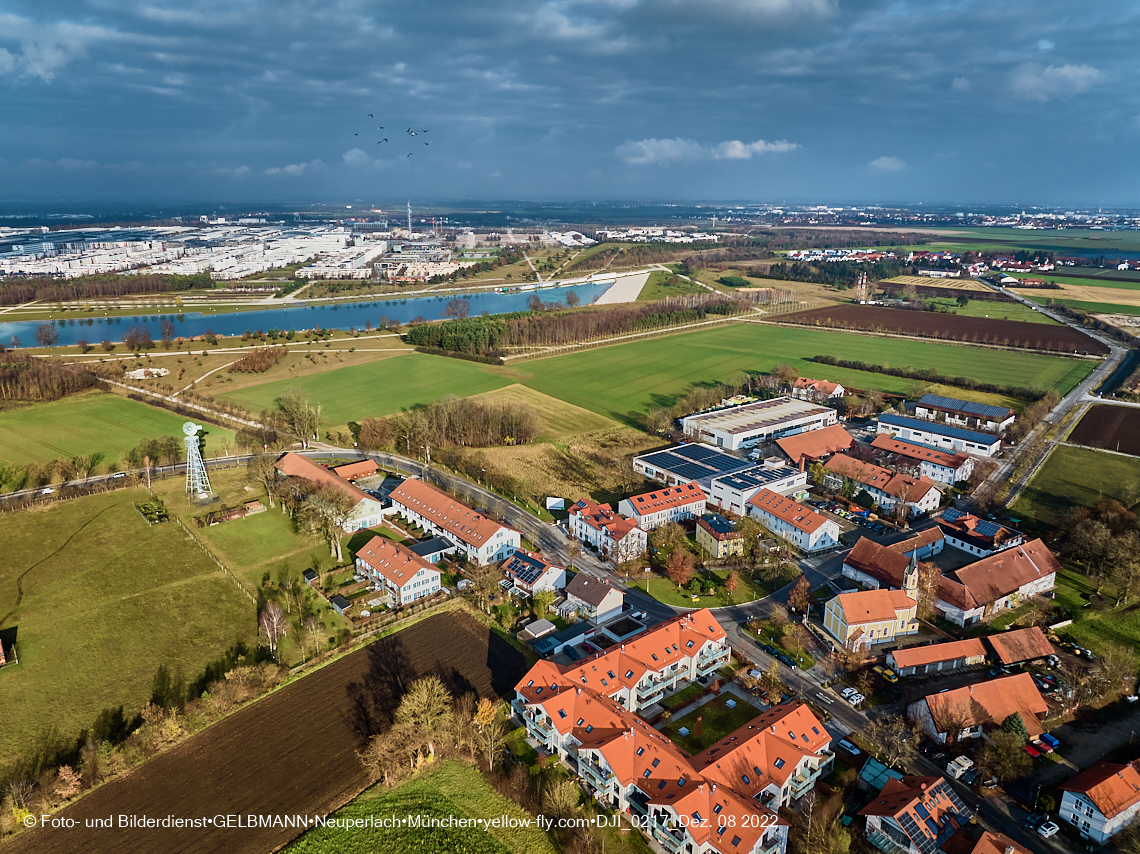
886,488
594,598
617,538
974,535
1020,645
639,672
476,536
402,575
719,537
433,549
926,460
976,706
530,573
937,657
815,445
731,492
944,436
914,815
805,528
964,413
673,504
867,617
366,512
356,471
1102,800
817,391
988,843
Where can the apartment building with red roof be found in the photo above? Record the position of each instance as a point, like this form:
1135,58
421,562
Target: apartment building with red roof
402,574
925,460
617,538
805,528
976,536
979,705
817,391
888,489
479,537
815,445
673,504
367,511
1102,800
915,815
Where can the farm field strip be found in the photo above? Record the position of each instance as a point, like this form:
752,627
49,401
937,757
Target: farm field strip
950,327
1091,307
1077,476
1080,281
1114,428
1083,293
292,752
962,284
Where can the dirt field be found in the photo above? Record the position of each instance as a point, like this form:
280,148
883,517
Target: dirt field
898,282
291,753
1114,428
951,327
1082,293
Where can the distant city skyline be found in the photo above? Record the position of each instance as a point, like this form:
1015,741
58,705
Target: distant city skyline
1027,102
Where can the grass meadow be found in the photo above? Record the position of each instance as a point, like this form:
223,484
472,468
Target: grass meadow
89,422
1077,476
105,600
994,310
450,789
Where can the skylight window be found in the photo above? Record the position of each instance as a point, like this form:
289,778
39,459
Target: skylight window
655,762
641,751
779,763
590,728
689,645
661,785
717,809
562,713
735,841
580,721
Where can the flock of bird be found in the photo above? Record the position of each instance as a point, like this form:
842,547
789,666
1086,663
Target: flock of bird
409,131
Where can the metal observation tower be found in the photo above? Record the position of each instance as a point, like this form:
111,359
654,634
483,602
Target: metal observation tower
197,483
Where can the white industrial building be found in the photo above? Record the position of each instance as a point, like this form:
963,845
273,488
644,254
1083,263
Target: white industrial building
732,491
941,436
750,424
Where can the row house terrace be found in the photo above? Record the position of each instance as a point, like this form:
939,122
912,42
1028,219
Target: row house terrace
478,537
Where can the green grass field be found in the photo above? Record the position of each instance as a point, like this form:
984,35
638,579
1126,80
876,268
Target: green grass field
450,789
623,381
717,721
378,388
994,310
1077,476
657,287
89,422
1093,627
106,600
1090,282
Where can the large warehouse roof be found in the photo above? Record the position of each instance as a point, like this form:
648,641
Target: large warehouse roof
750,417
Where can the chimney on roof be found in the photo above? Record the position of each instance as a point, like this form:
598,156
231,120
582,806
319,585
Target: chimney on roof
713,787
1009,849
801,462
579,692
623,647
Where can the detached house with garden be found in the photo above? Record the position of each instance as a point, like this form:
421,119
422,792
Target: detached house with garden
402,575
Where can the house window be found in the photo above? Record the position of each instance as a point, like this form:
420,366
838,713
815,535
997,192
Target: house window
580,721
640,751
629,674
717,809
646,774
735,841
779,763
562,713
655,762
590,728
698,819
744,777
689,645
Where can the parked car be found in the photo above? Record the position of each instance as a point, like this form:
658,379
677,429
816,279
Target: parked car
1034,819
572,653
1032,751
1048,829
849,747
847,692
856,699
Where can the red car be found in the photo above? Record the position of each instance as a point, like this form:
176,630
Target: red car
1032,751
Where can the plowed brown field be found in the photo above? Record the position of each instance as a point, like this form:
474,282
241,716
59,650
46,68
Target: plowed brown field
292,753
950,327
1114,428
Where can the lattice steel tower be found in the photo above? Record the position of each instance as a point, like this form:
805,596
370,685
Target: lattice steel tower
197,483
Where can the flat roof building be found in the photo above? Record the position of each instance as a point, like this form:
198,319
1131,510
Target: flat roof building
942,436
731,492
692,462
750,424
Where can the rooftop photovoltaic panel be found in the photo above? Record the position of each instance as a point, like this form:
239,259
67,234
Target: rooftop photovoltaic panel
959,807
526,569
940,429
984,526
983,410
925,844
694,462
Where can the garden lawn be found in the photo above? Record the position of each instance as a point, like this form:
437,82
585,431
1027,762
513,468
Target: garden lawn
377,388
89,422
1077,476
106,600
450,789
1093,628
665,591
717,721
658,287
623,381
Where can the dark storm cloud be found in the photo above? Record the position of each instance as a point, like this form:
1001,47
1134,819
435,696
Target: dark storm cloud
1024,100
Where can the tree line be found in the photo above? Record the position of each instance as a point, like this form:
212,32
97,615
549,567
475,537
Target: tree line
452,421
16,291
24,378
259,360
492,336
843,274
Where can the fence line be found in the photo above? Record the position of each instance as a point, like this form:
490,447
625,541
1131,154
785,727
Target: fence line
215,559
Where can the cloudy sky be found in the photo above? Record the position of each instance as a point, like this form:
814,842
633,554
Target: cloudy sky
939,101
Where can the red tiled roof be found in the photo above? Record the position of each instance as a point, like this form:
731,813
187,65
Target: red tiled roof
351,471
822,386
873,606
393,561
1001,574
888,443
991,702
966,527
816,444
458,520
899,486
987,843
666,499
920,656
294,465
601,517
918,798
794,514
1113,788
1021,645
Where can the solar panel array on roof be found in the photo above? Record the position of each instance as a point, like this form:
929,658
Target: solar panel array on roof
983,526
693,461
526,569
981,410
924,843
940,429
944,789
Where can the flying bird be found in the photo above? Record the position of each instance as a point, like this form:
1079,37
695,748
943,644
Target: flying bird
371,116
409,154
427,143
383,140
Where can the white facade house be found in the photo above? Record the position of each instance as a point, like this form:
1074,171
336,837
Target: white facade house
367,512
929,462
964,413
403,576
672,504
751,424
1101,801
594,598
476,536
531,574
942,436
808,530
617,538
888,489
732,492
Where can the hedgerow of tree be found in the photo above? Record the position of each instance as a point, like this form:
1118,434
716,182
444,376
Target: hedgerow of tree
260,360
15,291
24,378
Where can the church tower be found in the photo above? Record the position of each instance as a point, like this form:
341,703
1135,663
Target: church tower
910,577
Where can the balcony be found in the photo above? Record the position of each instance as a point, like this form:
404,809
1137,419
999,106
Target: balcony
594,772
885,843
672,840
772,846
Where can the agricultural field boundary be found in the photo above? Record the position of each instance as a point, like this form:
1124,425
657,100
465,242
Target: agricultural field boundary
206,551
